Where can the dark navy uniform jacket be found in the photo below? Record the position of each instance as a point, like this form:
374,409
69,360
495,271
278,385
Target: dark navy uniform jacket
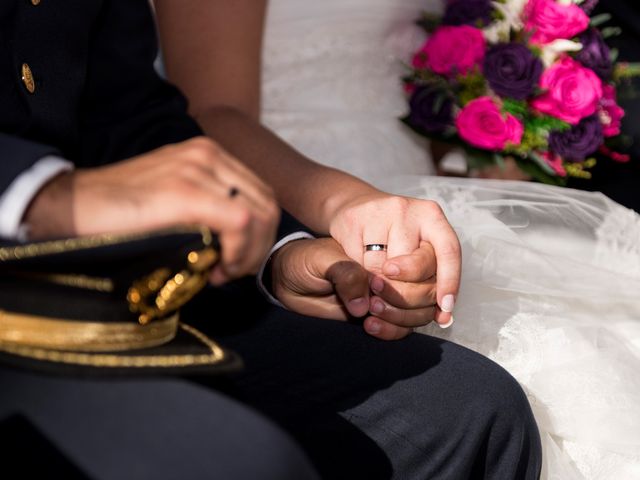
77,80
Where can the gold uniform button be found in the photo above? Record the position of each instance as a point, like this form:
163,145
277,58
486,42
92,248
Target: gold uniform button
27,78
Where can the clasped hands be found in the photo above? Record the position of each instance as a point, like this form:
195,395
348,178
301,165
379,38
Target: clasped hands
191,182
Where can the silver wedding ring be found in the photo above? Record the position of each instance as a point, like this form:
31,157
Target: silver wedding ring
375,247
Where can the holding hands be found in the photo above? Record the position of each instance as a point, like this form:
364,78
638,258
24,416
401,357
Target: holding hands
418,276
383,269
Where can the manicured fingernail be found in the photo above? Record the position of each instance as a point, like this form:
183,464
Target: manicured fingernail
377,307
377,284
358,306
446,325
447,304
391,270
374,327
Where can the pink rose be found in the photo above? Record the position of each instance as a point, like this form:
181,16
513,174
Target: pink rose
482,125
550,20
610,112
452,50
572,92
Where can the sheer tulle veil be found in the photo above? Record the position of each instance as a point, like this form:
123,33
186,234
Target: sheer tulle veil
550,291
551,276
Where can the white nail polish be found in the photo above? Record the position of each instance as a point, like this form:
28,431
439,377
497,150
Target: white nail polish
446,325
447,304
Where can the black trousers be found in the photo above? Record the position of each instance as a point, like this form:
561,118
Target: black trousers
357,407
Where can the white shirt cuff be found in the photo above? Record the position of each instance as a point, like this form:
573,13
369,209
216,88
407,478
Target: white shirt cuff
17,197
281,243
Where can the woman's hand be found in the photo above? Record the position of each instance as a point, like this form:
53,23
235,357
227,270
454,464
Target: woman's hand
317,278
185,183
423,253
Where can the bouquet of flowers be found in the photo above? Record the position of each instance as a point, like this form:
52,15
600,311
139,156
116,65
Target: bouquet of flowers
533,80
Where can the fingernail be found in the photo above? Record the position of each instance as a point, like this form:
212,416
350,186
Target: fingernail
374,327
392,270
377,284
447,304
446,325
358,306
377,306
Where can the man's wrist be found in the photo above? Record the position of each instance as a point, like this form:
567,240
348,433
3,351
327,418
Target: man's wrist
17,197
50,213
265,278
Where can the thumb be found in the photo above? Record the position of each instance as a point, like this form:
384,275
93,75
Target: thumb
349,279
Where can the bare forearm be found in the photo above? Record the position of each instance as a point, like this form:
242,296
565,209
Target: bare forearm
309,191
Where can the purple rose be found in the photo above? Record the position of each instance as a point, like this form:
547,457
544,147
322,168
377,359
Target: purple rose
431,110
512,70
467,12
595,54
589,5
579,141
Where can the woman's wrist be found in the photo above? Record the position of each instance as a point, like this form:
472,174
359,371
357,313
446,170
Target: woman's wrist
345,190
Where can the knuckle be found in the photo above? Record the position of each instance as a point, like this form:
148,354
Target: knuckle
399,204
180,186
351,216
202,148
189,170
451,250
434,208
272,212
243,217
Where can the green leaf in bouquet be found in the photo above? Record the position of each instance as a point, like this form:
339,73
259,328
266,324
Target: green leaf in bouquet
609,32
427,77
497,15
519,108
543,124
532,140
536,50
620,142
429,21
625,70
408,78
479,159
536,168
471,86
540,163
601,19
614,53
439,102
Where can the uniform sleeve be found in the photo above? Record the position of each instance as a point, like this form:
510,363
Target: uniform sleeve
19,155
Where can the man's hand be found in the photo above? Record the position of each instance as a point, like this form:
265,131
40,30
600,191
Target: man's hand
317,278
423,252
186,183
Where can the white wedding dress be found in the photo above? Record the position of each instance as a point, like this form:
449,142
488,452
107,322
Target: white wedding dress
551,276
